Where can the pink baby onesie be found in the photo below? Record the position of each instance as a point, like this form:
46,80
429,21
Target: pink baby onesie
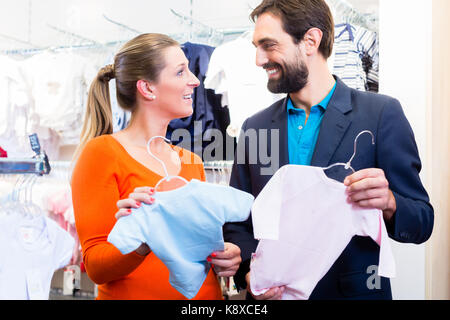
304,223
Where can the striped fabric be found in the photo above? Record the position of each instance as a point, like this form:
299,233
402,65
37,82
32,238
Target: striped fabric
356,57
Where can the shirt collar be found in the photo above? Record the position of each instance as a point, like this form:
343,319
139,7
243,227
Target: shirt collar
323,104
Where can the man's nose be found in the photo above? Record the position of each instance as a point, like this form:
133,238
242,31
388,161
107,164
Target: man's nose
261,57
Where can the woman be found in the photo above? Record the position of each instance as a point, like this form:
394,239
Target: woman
154,83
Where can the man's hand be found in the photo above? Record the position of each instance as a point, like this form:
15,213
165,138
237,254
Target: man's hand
369,188
273,294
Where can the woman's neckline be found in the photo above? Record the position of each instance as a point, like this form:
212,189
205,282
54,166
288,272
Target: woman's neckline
138,163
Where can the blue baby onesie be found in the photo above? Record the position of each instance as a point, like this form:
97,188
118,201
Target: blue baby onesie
183,227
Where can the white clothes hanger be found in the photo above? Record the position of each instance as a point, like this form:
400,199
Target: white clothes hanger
348,164
167,177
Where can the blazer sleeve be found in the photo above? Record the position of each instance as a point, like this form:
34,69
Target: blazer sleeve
398,156
241,233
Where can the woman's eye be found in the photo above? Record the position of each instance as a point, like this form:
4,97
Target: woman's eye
180,73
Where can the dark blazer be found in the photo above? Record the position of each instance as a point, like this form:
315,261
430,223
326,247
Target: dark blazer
348,113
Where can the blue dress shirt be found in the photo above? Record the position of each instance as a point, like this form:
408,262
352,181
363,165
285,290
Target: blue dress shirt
302,137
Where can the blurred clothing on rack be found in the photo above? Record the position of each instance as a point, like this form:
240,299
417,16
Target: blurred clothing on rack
208,112
232,73
3,153
59,83
355,57
32,249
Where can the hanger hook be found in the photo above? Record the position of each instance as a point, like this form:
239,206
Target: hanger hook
348,164
155,157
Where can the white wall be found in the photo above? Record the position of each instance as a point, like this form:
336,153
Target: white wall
405,73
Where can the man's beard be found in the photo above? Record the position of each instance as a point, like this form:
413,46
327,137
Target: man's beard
293,77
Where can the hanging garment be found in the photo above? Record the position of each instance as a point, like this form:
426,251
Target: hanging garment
13,93
355,57
3,153
207,109
233,73
304,223
183,227
59,86
31,250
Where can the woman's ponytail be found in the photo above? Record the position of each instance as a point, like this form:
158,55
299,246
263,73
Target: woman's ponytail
98,118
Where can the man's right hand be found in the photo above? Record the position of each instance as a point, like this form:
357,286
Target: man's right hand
273,294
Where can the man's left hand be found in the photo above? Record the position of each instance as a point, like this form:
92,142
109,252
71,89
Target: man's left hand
369,188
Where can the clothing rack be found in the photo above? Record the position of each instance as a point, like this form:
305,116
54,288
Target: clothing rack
217,165
207,30
39,164
17,40
123,26
74,35
202,30
32,51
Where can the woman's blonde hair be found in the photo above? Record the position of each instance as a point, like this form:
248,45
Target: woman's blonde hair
141,58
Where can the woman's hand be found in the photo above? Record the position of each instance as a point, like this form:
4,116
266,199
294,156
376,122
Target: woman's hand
135,199
226,263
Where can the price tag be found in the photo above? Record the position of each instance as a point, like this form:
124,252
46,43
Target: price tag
35,145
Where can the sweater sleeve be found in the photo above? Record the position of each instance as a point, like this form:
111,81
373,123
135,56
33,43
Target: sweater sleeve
95,194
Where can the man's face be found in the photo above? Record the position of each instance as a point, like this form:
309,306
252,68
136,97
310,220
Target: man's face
277,53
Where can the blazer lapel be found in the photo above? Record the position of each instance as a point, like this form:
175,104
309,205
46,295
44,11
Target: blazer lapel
334,125
279,121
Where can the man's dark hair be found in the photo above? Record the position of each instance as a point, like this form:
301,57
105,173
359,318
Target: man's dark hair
298,16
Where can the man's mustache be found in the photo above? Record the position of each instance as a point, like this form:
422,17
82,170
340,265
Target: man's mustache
272,66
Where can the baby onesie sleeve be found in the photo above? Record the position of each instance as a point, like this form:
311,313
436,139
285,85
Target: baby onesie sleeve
233,204
266,209
64,244
129,232
370,223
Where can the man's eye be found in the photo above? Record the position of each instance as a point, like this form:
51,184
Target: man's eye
268,45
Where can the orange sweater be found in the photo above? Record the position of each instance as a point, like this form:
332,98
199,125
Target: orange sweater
105,173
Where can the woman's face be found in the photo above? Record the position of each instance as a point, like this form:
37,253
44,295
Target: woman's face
176,85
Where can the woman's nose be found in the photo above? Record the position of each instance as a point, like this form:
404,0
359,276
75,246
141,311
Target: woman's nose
194,81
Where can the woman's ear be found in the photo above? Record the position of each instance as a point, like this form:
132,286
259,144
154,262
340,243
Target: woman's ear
145,90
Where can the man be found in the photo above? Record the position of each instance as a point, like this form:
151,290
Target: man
317,124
